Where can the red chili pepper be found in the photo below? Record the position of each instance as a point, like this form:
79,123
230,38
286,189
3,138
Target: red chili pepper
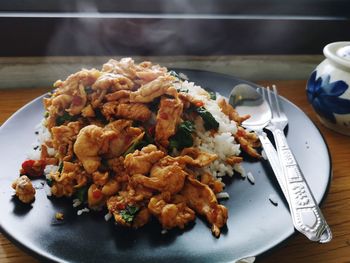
240,133
33,168
121,206
96,193
77,100
163,115
151,130
199,104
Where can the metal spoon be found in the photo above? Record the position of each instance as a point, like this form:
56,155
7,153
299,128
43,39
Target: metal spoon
247,100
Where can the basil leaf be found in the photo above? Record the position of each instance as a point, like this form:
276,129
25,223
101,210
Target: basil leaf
129,213
183,136
209,121
65,117
81,194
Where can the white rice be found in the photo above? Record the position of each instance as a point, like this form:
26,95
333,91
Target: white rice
108,216
84,210
76,202
50,169
250,177
42,135
222,195
222,143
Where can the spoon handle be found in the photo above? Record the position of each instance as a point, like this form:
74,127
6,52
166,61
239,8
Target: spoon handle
272,157
306,215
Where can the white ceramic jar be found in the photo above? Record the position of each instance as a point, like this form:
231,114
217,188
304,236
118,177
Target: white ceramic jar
328,88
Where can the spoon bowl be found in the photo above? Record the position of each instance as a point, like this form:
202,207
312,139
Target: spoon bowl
247,100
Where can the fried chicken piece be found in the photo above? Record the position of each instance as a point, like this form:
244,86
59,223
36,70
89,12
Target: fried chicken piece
124,138
248,140
63,138
197,158
140,162
147,72
232,160
168,117
85,77
96,198
170,215
216,185
125,66
66,182
24,189
164,178
131,111
91,142
113,82
203,200
141,218
233,115
127,200
117,95
151,90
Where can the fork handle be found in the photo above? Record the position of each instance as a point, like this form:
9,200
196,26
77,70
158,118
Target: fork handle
306,215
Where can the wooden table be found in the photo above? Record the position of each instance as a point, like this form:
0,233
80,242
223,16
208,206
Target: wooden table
336,207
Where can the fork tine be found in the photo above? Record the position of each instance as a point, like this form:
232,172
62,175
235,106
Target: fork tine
275,93
273,110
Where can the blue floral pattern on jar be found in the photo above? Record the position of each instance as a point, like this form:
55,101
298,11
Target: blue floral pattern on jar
325,96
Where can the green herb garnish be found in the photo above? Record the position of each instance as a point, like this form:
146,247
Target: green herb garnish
46,114
183,136
129,213
49,182
81,194
209,121
65,117
60,167
212,95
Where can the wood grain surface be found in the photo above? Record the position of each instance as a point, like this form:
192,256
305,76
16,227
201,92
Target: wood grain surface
336,207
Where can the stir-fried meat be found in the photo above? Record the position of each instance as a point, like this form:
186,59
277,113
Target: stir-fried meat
170,215
85,77
24,189
117,95
131,111
232,160
147,72
151,90
216,185
125,66
141,218
63,138
96,198
203,200
91,142
124,138
140,162
168,117
113,82
248,140
70,178
163,178
231,112
197,158
131,197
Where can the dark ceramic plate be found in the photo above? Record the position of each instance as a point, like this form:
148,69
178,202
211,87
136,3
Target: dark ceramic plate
254,225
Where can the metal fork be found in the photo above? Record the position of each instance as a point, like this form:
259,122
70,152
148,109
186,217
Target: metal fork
306,215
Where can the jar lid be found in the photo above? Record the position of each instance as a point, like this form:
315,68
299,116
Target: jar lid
338,52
